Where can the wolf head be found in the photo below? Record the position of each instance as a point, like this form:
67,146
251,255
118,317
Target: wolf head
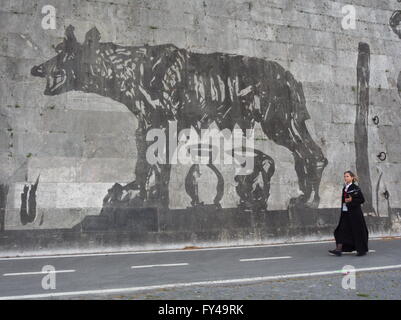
70,68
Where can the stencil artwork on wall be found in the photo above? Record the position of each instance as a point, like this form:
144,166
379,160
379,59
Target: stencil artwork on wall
28,203
162,82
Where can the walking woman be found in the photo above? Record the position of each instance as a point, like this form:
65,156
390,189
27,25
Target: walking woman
351,233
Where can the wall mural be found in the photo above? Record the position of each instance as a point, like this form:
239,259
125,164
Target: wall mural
162,82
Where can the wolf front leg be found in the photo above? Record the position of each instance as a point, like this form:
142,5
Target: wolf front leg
152,181
143,169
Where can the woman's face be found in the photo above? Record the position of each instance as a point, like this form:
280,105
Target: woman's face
347,178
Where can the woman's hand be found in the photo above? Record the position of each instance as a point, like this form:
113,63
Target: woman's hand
349,199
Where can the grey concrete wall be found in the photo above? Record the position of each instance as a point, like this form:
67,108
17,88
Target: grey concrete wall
72,172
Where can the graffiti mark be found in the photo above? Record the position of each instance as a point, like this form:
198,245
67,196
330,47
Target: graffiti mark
28,203
381,208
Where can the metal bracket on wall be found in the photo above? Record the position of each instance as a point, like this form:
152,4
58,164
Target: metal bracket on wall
382,156
375,120
386,194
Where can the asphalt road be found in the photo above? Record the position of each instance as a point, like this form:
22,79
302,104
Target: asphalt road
205,271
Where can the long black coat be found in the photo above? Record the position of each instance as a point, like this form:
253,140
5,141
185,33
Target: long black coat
352,231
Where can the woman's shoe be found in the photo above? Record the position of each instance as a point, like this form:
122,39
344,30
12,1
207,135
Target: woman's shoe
360,254
336,252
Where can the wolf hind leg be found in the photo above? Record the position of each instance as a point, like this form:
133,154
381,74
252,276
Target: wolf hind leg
162,183
283,121
309,159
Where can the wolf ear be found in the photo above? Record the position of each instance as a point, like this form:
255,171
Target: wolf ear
92,37
69,34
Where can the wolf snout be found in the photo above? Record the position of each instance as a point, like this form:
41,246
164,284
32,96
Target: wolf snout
37,71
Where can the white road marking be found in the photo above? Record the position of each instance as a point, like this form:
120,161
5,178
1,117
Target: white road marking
36,272
353,252
189,284
267,258
160,265
172,250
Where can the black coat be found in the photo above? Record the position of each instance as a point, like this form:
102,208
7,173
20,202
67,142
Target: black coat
352,231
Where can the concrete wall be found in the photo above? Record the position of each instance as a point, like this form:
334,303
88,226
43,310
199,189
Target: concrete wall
72,169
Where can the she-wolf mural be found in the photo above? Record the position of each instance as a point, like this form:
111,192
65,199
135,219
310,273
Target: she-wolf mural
164,83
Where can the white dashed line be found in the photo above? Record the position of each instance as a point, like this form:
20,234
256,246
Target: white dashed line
36,272
267,258
160,265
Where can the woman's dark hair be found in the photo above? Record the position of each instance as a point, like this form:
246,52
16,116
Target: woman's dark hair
353,175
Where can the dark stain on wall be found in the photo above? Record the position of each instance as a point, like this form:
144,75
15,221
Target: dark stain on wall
399,83
3,205
395,25
361,124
